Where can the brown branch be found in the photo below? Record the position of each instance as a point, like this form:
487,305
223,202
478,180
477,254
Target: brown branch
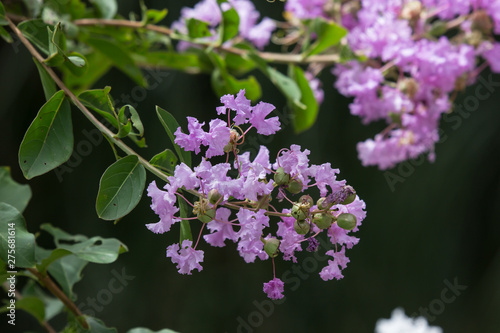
48,283
268,56
100,126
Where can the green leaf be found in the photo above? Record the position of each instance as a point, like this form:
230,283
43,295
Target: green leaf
98,65
66,271
120,188
239,64
152,16
53,306
76,63
13,224
13,193
185,232
3,20
230,24
304,118
107,8
134,117
100,101
170,124
54,255
34,7
166,160
329,34
48,84
119,56
197,28
96,249
188,62
57,46
147,330
286,85
48,142
36,32
224,83
5,35
33,305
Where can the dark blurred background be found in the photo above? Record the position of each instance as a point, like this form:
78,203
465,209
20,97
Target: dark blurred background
429,225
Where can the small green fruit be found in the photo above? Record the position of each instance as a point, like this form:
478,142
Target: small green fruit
347,221
323,220
301,227
281,177
271,246
214,196
299,212
295,186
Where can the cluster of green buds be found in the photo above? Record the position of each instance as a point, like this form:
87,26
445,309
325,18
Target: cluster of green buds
292,185
323,216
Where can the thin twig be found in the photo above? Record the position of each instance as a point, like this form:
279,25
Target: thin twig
268,56
48,283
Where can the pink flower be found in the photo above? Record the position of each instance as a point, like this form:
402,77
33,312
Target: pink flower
220,231
187,259
163,204
274,288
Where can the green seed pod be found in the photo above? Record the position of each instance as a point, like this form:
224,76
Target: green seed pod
271,246
301,227
351,195
346,221
299,212
280,177
295,186
214,196
323,220
306,200
322,205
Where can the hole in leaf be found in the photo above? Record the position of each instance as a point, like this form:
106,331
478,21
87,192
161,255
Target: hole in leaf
24,161
68,241
114,204
97,243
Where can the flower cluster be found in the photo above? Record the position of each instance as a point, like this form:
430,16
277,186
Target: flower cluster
235,200
399,322
258,33
419,55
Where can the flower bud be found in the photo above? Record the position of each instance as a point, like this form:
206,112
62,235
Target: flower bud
346,221
271,246
323,220
295,186
281,177
301,227
322,203
214,196
300,211
350,195
438,28
306,200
